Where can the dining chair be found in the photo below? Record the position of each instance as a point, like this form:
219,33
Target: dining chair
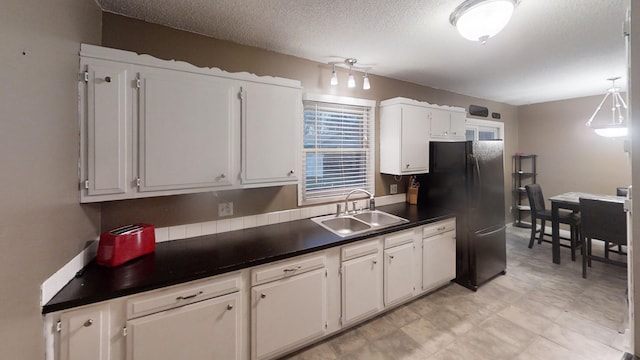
601,220
540,212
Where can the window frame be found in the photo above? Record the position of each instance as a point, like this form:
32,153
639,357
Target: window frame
339,100
477,124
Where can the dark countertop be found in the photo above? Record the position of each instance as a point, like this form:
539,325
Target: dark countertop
175,262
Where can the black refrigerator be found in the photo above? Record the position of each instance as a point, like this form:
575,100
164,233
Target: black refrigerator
468,177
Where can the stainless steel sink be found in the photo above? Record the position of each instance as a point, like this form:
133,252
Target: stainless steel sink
379,218
344,226
352,224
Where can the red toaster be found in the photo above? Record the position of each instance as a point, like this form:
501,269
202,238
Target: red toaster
125,243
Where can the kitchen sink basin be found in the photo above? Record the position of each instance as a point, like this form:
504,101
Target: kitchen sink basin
378,218
352,224
345,225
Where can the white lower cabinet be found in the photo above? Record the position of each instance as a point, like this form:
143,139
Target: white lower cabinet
398,273
204,330
263,312
288,312
438,255
361,281
84,333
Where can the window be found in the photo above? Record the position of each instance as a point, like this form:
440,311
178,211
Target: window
484,130
338,148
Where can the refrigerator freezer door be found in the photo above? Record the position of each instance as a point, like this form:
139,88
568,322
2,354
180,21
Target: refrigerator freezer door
490,253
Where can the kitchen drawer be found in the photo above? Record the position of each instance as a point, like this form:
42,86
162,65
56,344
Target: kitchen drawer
181,295
438,228
360,249
399,238
286,268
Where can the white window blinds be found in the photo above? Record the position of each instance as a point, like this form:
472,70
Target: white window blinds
338,151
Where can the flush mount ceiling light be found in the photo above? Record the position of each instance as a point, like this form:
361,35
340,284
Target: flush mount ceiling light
350,63
617,127
479,20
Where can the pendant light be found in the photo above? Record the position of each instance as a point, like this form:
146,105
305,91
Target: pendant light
365,81
617,127
479,20
334,76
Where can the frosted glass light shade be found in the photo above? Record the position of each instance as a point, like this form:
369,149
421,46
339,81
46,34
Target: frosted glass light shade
611,131
334,78
479,20
351,82
366,85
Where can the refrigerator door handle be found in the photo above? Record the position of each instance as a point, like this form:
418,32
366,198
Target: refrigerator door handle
490,233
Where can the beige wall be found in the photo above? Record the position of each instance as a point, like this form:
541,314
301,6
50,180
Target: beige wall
134,35
571,157
42,224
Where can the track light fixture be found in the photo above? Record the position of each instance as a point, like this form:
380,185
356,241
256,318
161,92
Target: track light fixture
350,63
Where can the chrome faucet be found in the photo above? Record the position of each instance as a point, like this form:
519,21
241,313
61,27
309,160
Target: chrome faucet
372,201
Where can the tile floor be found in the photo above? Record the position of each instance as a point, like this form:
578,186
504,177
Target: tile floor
538,310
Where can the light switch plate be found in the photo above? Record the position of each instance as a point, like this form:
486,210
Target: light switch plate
393,189
225,209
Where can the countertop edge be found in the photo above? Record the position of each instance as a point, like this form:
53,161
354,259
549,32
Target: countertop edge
53,306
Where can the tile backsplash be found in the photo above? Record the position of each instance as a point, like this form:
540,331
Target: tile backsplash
178,232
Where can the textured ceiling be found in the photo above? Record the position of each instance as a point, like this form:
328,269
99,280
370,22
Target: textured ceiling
551,49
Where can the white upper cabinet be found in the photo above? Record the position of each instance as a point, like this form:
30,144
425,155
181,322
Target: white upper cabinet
185,130
407,126
106,140
153,127
448,124
404,140
271,117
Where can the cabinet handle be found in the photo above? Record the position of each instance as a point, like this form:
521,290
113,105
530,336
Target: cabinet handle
263,295
375,262
408,166
222,176
293,269
189,296
441,228
291,172
229,307
88,323
107,79
390,256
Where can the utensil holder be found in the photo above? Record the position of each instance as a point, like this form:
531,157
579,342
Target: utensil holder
412,196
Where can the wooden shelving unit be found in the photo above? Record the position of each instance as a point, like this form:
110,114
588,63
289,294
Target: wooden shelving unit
524,166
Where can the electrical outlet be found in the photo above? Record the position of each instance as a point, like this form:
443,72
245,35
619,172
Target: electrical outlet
225,209
393,189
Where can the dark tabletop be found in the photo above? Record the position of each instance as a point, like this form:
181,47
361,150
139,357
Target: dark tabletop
179,261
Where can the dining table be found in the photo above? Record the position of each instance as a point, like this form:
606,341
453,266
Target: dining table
570,201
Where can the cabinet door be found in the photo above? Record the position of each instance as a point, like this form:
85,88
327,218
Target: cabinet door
85,334
414,151
457,125
287,313
205,330
438,260
398,273
108,119
270,131
185,130
440,123
361,287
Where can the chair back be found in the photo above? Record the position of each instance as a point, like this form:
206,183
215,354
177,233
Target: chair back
536,199
603,220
